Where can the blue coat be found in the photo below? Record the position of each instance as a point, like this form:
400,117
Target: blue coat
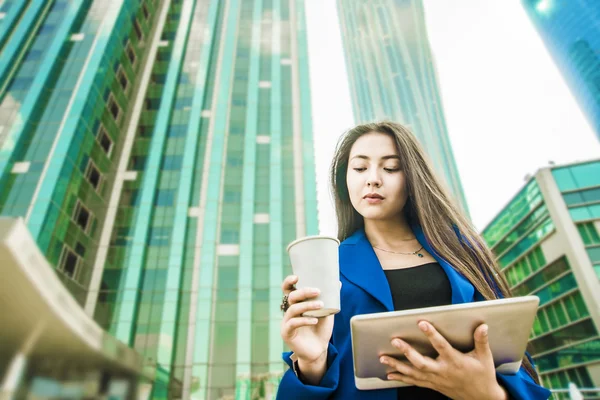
365,290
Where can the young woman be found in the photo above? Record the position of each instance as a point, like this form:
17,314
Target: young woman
404,245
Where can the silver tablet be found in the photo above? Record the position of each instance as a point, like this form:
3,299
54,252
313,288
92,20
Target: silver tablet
509,320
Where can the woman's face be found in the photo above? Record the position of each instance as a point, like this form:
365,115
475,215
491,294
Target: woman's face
376,185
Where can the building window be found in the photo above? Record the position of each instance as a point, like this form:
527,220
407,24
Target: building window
144,131
177,131
158,79
113,107
145,12
582,197
82,217
594,254
80,250
130,53
137,163
229,236
588,233
104,141
165,198
172,162
151,103
556,289
93,175
123,81
234,160
531,283
130,197
159,236
138,30
232,196
183,103
69,263
122,236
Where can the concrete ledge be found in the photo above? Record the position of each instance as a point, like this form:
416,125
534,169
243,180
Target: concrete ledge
41,319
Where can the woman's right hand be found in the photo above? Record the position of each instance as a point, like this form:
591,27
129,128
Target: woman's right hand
307,337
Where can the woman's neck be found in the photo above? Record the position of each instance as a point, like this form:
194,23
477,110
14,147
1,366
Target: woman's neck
389,234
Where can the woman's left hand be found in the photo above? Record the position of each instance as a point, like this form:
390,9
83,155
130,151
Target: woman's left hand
453,373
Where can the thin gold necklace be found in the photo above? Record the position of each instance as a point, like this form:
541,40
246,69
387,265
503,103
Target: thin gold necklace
416,253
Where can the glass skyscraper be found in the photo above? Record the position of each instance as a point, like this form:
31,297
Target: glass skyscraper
571,32
392,75
161,154
548,244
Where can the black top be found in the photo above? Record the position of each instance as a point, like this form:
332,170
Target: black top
416,287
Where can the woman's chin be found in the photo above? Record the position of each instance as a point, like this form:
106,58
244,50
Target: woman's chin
375,215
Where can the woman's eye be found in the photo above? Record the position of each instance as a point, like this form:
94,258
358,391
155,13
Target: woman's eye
391,169
359,169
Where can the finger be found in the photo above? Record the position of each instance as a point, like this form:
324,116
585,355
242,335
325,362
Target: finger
418,360
288,283
482,345
300,295
403,368
296,310
290,326
409,380
439,343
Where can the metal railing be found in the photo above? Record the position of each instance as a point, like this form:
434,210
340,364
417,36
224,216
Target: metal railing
575,393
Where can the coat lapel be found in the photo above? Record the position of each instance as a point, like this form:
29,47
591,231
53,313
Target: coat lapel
360,265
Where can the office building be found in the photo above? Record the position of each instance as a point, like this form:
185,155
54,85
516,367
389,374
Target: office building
161,156
392,76
548,244
571,33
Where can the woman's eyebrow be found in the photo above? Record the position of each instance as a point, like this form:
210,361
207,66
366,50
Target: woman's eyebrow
391,156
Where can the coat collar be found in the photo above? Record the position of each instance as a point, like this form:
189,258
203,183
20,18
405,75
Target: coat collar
360,265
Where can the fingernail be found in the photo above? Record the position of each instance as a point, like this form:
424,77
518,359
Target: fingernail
382,359
396,343
485,330
314,321
319,304
423,326
315,291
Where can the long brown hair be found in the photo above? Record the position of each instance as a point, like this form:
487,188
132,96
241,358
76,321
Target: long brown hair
448,231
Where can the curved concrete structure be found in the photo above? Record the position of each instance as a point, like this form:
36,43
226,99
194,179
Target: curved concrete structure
43,323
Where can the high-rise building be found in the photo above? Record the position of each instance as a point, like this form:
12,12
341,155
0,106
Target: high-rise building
571,32
392,75
161,155
548,244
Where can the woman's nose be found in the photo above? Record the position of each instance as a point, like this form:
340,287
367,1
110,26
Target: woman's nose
373,180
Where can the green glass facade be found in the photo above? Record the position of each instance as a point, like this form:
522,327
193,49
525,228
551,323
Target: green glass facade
161,153
392,75
547,243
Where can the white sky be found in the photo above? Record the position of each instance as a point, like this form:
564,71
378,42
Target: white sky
507,107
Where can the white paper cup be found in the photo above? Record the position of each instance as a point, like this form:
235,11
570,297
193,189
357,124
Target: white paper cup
316,263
